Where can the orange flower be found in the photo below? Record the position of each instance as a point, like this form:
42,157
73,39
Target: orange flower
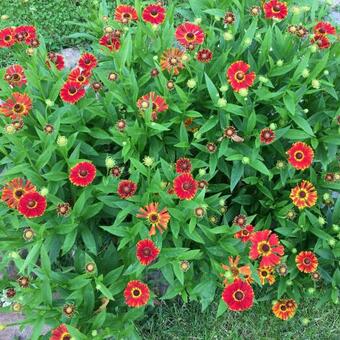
157,219
304,195
17,106
236,271
14,190
284,309
171,60
266,274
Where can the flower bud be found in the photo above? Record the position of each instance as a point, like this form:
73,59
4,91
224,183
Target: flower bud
245,160
202,172
191,83
224,88
279,62
62,141
222,102
321,220
198,21
148,161
184,266
305,73
243,92
49,102
109,162
315,84
228,36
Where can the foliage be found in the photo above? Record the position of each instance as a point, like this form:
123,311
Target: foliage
243,175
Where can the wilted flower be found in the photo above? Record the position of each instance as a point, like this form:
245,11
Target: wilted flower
184,265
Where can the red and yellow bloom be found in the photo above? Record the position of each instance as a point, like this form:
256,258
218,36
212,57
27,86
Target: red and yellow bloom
306,262
204,55
284,309
136,293
304,195
154,14
300,156
245,233
79,76
32,204
275,9
238,77
60,333
125,14
266,245
185,186
15,75
110,41
189,35
157,103
157,219
17,106
82,174
242,272
239,295
72,92
7,37
146,251
87,61
14,190
322,28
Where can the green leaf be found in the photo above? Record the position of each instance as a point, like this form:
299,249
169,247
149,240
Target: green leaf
214,95
259,166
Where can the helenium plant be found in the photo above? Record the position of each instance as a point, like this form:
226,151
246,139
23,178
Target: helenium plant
192,153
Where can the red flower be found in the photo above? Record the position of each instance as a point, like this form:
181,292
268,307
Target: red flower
322,28
300,156
110,41
14,190
32,204
146,252
72,92
15,75
125,14
126,188
322,41
7,37
57,60
284,309
245,233
158,104
60,333
136,294
79,76
239,295
267,135
17,106
275,9
154,14
237,76
204,55
185,187
266,245
304,195
306,262
25,33
188,34
183,165
157,219
82,174
87,61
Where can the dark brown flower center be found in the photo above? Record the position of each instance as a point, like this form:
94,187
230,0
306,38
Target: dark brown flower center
146,251
276,8
239,295
16,77
66,337
306,261
136,292
173,61
302,194
83,173
154,12
81,78
18,193
240,75
8,38
72,90
283,308
245,232
265,248
264,273
186,186
190,36
153,218
32,204
18,108
127,15
322,30
299,155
